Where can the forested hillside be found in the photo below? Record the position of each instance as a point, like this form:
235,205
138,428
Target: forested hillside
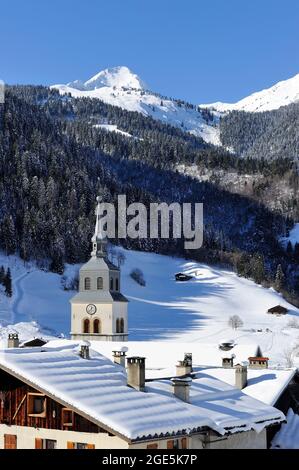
54,161
269,135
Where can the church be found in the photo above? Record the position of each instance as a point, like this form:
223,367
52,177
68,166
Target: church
99,311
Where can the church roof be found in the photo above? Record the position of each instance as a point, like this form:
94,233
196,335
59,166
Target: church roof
96,264
97,296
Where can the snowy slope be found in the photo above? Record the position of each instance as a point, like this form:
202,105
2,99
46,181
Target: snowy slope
281,94
163,310
119,86
293,236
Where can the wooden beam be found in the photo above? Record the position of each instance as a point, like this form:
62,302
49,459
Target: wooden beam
19,406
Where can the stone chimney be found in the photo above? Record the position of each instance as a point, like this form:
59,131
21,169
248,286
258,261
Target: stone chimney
184,367
136,372
13,340
228,361
240,376
84,349
181,388
119,357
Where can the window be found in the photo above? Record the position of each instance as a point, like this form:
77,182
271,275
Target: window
111,283
120,325
79,445
45,443
116,284
86,325
87,283
99,283
173,444
49,444
67,417
96,326
36,405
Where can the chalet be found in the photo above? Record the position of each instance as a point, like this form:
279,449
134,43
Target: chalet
278,310
71,396
33,343
182,277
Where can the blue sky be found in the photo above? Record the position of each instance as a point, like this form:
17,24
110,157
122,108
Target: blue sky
201,51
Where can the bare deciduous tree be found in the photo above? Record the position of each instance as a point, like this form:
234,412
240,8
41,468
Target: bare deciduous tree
235,322
287,355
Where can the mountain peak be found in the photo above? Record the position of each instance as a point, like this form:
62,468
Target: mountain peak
118,77
282,93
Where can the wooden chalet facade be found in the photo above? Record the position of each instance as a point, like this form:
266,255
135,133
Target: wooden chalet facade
22,405
25,408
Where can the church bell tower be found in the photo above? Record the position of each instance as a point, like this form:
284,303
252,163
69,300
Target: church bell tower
99,310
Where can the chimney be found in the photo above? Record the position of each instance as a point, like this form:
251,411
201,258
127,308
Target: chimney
13,340
181,388
184,367
84,349
240,376
136,372
228,361
119,357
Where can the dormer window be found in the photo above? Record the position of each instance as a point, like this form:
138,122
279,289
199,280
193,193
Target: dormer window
87,283
99,283
111,283
36,405
117,284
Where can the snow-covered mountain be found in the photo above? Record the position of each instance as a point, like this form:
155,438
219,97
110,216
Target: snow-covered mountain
119,86
281,94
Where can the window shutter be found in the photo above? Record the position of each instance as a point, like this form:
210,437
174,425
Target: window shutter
10,441
70,445
170,444
90,446
152,446
38,443
184,443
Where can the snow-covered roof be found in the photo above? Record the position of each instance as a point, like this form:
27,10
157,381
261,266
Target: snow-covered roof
288,436
229,408
96,388
162,357
266,385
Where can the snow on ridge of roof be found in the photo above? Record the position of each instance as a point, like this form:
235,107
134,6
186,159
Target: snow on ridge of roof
227,406
265,385
98,389
163,356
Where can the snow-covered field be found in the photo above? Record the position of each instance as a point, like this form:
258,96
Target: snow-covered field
163,310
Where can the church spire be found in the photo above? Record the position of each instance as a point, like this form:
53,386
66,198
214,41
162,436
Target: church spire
99,239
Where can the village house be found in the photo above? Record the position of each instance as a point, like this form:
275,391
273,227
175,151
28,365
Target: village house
73,397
